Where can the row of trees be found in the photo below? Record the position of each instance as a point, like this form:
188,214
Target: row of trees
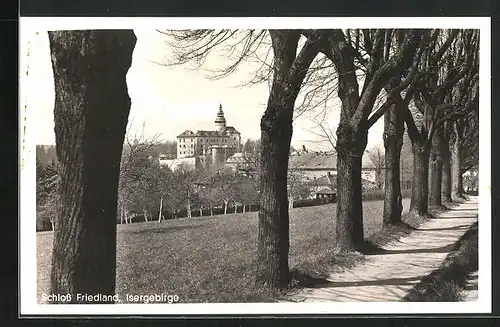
426,80
148,189
154,191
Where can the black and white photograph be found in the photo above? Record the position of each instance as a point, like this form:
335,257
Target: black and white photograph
255,166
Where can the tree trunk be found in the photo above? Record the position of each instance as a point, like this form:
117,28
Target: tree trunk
90,115
201,212
435,181
420,185
446,183
121,213
272,268
349,226
290,203
273,246
243,208
456,163
188,207
145,212
436,168
393,142
225,207
211,210
161,210
52,224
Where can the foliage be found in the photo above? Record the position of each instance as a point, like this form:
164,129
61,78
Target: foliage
377,158
45,154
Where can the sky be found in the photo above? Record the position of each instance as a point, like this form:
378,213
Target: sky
168,100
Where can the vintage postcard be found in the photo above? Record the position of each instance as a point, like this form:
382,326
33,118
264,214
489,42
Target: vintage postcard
232,166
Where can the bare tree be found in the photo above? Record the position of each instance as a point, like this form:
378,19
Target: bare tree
372,51
186,179
134,166
377,158
48,195
451,57
90,114
297,187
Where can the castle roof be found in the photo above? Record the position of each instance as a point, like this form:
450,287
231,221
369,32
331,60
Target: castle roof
186,133
202,133
209,133
220,116
231,130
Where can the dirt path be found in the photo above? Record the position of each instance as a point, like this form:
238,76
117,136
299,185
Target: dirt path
389,275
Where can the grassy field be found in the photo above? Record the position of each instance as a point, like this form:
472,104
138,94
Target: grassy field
210,259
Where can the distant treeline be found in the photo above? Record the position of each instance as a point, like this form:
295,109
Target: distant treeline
46,154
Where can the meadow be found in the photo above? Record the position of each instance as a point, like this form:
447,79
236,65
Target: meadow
211,259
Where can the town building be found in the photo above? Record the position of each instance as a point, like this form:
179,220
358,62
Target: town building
313,165
243,163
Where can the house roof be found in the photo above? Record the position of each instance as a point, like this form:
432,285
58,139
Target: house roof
313,160
240,157
327,180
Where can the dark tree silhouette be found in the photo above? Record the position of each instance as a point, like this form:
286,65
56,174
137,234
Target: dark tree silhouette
91,112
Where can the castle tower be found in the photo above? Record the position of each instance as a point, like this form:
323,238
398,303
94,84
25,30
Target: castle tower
218,157
220,121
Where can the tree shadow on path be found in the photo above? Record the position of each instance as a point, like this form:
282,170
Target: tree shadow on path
318,282
370,248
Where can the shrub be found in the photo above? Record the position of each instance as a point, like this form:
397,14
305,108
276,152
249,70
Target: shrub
376,195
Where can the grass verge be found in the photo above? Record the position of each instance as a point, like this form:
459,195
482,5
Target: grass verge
211,259
446,283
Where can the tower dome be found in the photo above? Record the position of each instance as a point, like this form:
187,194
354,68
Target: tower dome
220,121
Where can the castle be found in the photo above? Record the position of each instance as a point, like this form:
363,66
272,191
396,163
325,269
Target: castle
206,148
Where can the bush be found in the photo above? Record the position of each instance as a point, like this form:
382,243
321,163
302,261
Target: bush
312,202
376,195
